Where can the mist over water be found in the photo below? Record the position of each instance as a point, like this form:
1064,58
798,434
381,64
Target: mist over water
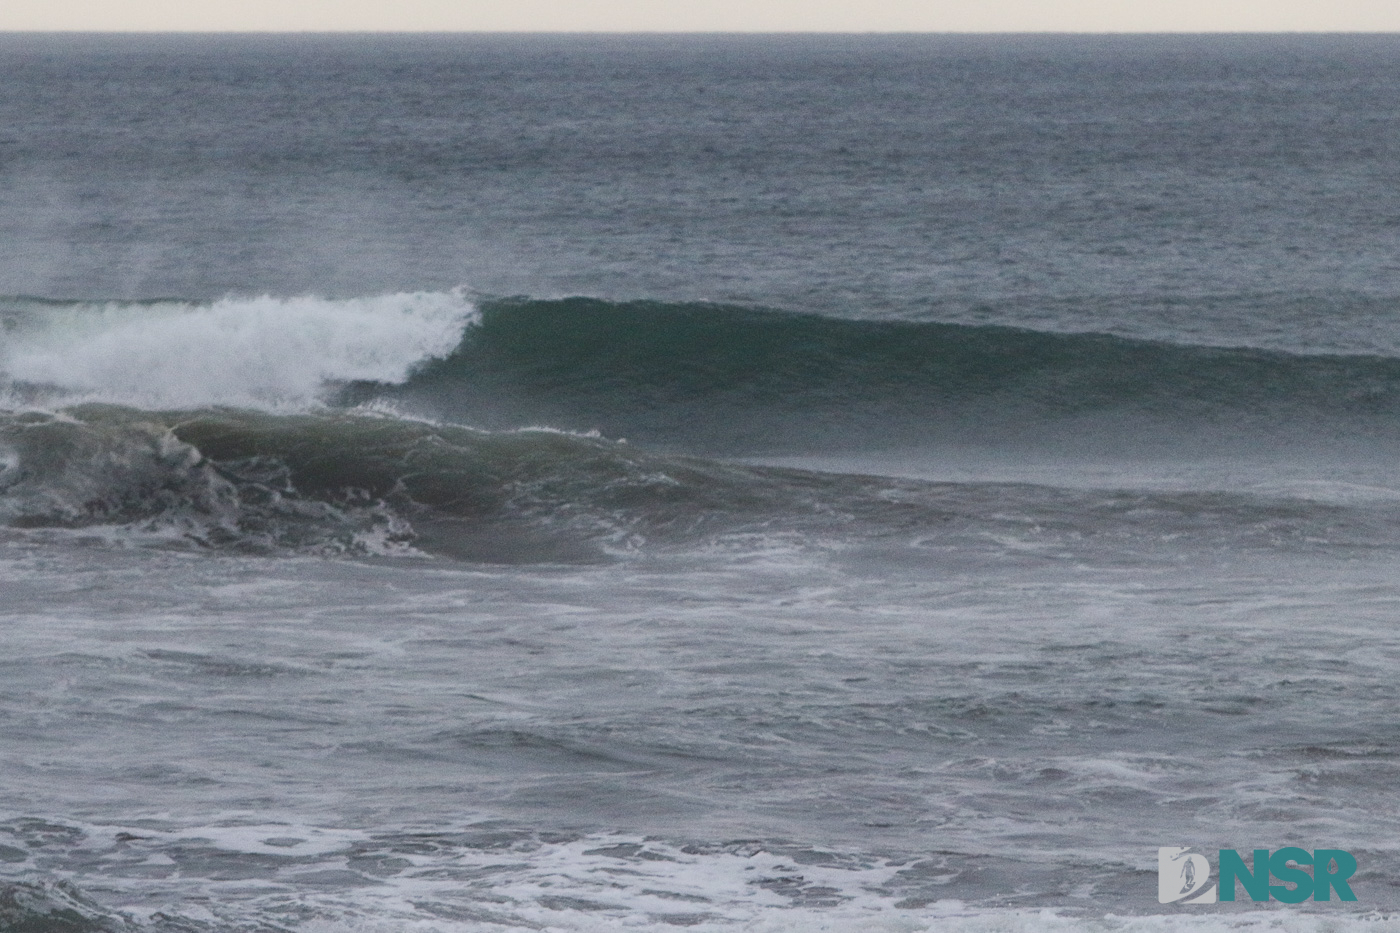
894,483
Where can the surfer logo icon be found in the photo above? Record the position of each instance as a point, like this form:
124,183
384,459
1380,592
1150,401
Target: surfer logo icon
1182,877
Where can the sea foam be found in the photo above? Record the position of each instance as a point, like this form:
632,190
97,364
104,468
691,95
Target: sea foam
265,353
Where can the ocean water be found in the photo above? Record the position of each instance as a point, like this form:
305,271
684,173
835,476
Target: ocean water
589,483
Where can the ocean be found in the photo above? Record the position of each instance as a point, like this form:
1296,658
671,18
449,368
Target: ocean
723,483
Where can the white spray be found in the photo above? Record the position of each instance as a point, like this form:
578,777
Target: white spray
276,354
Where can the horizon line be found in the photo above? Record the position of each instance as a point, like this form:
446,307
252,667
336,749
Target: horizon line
700,32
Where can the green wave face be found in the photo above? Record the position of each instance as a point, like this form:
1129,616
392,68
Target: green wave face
747,381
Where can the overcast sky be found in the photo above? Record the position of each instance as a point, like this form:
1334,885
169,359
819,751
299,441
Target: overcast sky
708,15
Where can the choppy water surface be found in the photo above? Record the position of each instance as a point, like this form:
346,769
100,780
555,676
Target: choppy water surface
719,483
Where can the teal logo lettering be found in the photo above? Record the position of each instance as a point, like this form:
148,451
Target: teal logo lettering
1291,875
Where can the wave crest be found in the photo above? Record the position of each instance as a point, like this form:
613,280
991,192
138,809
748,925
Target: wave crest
264,353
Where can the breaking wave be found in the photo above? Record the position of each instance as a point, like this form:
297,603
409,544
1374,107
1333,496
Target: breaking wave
265,353
323,426
694,376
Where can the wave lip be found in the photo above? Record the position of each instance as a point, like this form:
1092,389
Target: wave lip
261,353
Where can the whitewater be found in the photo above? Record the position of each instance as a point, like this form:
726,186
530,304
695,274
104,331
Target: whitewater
766,484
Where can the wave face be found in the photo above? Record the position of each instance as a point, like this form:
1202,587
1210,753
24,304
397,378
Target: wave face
739,380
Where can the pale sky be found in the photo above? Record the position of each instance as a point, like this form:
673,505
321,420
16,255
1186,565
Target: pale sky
706,15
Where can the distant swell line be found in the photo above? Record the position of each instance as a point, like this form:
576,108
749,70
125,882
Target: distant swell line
345,483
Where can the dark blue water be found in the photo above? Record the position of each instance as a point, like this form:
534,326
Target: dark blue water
766,483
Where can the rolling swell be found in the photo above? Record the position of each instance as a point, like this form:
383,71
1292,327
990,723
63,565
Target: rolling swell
738,380
353,483
356,483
